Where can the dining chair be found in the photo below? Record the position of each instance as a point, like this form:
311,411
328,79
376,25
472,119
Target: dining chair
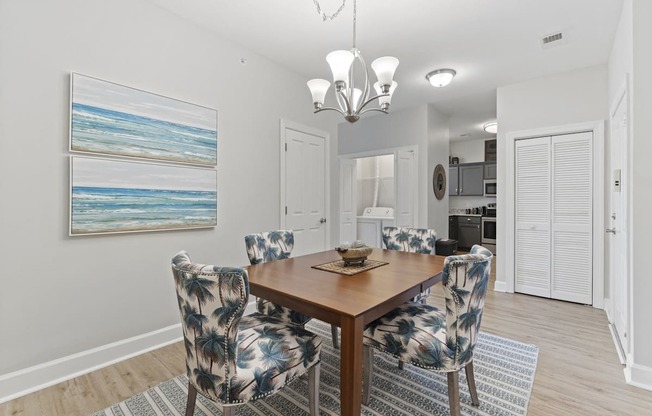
271,246
411,240
230,358
432,338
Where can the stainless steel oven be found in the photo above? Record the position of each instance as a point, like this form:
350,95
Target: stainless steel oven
489,233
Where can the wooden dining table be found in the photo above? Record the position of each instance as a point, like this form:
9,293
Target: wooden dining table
350,302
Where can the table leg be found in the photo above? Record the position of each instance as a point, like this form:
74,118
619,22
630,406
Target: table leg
351,366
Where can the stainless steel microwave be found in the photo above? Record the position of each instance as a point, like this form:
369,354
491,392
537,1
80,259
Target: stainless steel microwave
490,187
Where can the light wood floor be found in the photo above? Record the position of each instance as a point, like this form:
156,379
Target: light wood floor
578,372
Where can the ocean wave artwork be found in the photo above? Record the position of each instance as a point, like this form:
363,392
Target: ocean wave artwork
108,118
109,196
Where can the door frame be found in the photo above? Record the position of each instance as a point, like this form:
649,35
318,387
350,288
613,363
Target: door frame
394,151
624,93
283,126
597,128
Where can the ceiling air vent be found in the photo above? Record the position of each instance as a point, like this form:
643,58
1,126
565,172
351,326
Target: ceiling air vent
552,40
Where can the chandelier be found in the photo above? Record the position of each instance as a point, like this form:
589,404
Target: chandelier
353,101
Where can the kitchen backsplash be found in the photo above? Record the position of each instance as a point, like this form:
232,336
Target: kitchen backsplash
464,202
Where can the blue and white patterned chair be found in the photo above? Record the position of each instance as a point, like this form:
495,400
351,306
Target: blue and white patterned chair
271,246
411,240
431,338
232,359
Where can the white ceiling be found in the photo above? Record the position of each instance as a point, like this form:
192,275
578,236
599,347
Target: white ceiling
490,43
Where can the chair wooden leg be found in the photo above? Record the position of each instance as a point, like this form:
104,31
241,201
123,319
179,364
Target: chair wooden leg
454,393
400,364
313,389
336,342
227,410
368,374
192,398
470,379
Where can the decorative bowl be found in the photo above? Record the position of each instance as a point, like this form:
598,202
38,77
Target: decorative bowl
354,256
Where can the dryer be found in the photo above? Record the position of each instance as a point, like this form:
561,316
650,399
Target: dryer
371,223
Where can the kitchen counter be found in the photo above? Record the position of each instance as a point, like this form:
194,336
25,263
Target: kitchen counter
465,215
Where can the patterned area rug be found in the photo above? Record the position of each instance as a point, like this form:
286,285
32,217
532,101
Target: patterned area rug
504,372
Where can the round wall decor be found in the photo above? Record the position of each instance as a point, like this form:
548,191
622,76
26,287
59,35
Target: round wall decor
439,181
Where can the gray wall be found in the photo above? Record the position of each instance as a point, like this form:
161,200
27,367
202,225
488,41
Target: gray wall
566,98
63,295
438,151
397,129
422,126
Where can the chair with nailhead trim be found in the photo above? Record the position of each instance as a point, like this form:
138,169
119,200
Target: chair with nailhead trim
272,246
230,358
428,337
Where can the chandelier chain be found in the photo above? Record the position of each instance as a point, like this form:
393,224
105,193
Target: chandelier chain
324,16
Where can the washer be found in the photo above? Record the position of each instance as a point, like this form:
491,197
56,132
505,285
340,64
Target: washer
371,223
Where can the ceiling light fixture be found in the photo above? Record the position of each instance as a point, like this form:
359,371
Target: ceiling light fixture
491,127
353,100
441,77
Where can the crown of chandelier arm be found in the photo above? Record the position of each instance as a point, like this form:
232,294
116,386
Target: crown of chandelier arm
351,100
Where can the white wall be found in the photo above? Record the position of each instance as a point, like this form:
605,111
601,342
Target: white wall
565,98
641,370
438,150
63,295
631,56
468,151
367,182
396,129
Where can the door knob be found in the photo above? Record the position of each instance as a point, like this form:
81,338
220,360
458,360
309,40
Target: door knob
611,230
323,220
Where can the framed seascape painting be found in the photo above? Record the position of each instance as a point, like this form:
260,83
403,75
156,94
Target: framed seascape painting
117,196
112,119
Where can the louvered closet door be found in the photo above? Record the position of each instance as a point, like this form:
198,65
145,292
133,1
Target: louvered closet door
572,219
532,240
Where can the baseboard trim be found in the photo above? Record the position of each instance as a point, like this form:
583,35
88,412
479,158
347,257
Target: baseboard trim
40,376
639,376
500,286
619,346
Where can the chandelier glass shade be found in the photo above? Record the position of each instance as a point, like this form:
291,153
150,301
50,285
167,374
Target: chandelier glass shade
353,101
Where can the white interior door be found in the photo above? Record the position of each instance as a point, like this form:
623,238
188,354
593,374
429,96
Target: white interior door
348,193
406,191
619,288
532,217
572,218
305,188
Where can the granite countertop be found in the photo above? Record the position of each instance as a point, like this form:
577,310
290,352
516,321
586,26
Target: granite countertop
465,215
452,212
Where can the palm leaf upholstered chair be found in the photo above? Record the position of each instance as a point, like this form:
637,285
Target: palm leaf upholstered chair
431,338
412,240
230,358
270,246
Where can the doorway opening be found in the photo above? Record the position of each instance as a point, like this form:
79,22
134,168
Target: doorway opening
377,190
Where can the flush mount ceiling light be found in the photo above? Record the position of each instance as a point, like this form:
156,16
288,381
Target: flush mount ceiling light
491,127
441,77
353,100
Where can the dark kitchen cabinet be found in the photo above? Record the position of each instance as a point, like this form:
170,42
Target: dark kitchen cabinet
453,174
452,227
490,170
469,231
466,179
